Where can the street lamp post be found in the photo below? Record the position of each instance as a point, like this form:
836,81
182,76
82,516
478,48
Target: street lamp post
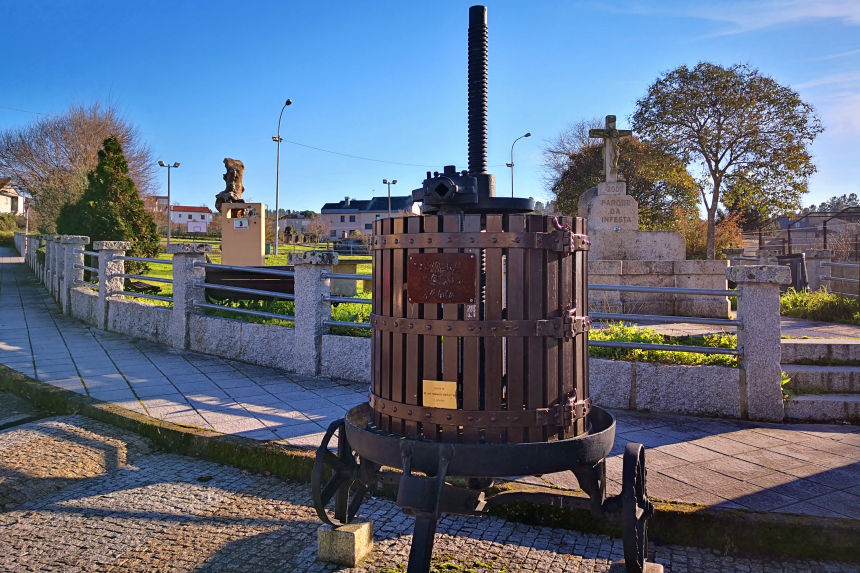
277,139
511,164
169,167
389,183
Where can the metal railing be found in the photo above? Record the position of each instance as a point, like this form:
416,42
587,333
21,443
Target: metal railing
845,280
244,290
346,299
144,295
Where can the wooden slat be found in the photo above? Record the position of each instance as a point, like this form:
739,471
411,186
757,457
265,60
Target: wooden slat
566,300
430,353
471,348
450,344
413,357
493,357
516,347
398,341
535,294
385,367
376,337
581,341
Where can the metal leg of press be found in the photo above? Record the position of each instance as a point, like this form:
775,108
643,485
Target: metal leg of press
422,544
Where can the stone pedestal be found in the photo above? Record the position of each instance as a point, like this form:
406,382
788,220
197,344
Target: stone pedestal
312,308
109,267
758,337
345,545
73,246
185,276
609,207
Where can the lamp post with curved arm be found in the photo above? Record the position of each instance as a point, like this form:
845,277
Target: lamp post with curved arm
389,183
169,167
511,164
277,139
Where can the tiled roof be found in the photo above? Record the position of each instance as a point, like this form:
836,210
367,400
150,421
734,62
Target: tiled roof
176,208
376,204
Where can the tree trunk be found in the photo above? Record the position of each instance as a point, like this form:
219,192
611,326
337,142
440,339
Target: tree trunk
711,234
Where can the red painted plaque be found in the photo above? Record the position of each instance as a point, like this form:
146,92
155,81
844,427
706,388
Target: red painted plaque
442,278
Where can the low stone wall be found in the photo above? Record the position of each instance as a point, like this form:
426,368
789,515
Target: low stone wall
262,344
346,357
672,274
83,305
138,319
698,390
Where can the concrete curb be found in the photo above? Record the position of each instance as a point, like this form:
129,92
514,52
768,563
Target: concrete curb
727,530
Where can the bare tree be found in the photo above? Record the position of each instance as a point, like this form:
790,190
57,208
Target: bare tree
50,158
318,229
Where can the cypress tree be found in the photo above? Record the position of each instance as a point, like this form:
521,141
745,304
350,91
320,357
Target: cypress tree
111,209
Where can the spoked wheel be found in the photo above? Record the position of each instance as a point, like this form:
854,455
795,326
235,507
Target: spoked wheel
345,484
636,510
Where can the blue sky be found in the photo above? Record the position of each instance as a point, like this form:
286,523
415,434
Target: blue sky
385,82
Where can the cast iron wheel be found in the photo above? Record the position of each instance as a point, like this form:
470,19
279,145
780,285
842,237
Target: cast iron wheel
636,510
344,485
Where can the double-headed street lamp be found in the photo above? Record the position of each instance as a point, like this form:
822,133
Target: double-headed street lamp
277,139
169,167
389,183
511,164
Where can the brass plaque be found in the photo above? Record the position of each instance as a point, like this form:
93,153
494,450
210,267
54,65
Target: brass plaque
440,394
442,278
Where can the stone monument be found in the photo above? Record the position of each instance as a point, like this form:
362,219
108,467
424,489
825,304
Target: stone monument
233,179
613,215
243,225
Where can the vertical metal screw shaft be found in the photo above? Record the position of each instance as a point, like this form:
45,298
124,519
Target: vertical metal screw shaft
477,89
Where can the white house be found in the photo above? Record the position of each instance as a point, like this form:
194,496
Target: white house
10,200
191,219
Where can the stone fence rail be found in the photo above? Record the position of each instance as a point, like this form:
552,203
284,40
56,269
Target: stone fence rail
750,391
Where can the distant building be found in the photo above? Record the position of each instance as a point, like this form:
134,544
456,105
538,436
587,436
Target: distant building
351,215
155,203
10,200
191,219
298,221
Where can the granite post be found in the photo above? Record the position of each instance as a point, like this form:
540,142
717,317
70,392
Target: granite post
73,254
109,283
759,339
312,308
186,275
817,266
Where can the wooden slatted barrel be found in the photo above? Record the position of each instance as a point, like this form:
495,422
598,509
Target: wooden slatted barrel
479,328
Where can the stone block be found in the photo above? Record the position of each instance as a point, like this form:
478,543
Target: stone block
697,390
610,382
344,287
345,545
776,274
175,248
650,567
699,267
313,258
656,268
111,245
346,357
637,245
604,267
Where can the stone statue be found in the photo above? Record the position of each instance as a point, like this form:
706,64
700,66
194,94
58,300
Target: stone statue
610,137
233,177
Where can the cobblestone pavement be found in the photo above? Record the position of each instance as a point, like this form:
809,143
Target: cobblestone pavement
124,507
795,468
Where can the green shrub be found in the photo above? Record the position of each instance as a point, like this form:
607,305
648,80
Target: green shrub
351,312
821,305
8,222
7,238
621,332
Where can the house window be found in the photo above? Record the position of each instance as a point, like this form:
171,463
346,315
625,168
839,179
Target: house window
342,218
334,233
202,217
368,226
189,216
352,218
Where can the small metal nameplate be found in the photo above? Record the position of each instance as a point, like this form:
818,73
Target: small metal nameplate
442,278
440,394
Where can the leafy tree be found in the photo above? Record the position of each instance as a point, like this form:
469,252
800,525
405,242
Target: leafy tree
835,204
657,180
50,158
110,208
747,134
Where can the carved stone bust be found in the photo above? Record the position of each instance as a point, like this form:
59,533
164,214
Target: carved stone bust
233,178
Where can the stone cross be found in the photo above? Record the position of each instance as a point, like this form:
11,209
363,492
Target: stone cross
610,137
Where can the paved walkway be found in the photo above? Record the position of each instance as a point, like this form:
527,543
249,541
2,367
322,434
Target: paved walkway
78,495
809,469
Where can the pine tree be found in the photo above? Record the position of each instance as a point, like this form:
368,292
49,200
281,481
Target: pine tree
110,208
